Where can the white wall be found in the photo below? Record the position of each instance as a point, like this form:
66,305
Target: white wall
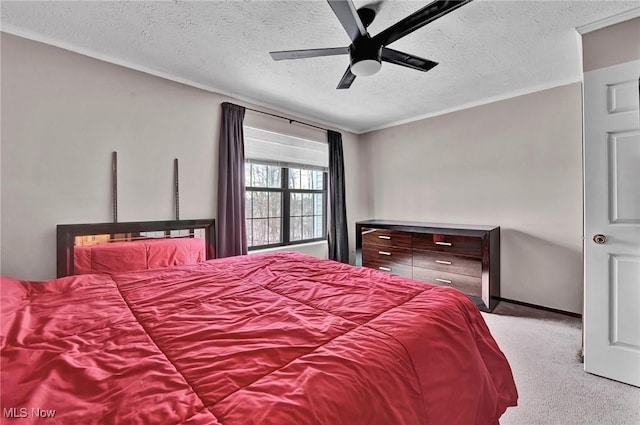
516,164
62,116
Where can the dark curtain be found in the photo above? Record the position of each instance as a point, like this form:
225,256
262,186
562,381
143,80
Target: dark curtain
338,237
232,232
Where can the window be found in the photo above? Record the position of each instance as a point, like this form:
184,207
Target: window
284,205
286,188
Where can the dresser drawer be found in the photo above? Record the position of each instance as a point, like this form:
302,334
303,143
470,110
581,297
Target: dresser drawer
470,285
384,237
446,262
465,257
399,269
463,245
388,254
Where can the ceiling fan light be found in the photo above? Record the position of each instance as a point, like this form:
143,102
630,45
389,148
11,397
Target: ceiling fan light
365,67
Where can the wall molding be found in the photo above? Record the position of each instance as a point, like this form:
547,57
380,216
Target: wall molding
583,29
611,20
541,307
485,101
30,35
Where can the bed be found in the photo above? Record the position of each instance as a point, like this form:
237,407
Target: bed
274,338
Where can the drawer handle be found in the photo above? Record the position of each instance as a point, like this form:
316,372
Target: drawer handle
386,269
384,253
444,243
384,237
448,263
444,281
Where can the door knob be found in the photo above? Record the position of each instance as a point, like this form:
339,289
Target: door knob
599,239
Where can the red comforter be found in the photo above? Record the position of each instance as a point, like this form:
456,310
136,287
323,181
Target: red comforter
262,339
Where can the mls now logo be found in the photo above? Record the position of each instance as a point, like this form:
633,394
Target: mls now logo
23,412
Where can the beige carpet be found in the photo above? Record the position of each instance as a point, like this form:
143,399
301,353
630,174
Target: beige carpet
543,349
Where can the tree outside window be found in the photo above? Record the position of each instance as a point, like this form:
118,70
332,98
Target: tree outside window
284,205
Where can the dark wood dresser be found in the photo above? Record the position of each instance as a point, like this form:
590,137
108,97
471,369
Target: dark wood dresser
466,257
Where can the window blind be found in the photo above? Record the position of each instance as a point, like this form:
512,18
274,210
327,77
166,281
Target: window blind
267,146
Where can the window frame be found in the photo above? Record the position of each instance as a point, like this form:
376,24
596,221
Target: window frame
285,220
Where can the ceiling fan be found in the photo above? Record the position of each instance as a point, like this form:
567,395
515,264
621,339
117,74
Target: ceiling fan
367,52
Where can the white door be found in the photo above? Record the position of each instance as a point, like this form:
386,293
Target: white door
612,222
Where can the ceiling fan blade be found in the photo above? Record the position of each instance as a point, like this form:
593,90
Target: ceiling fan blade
405,59
346,80
308,53
418,19
348,17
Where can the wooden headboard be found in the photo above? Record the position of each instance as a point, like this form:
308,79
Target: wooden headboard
130,231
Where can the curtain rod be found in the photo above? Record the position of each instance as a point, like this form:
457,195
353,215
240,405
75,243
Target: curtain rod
291,121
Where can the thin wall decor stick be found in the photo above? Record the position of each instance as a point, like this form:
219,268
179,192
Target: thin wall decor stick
114,184
176,187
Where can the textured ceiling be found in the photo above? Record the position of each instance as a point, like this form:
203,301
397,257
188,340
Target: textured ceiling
486,50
